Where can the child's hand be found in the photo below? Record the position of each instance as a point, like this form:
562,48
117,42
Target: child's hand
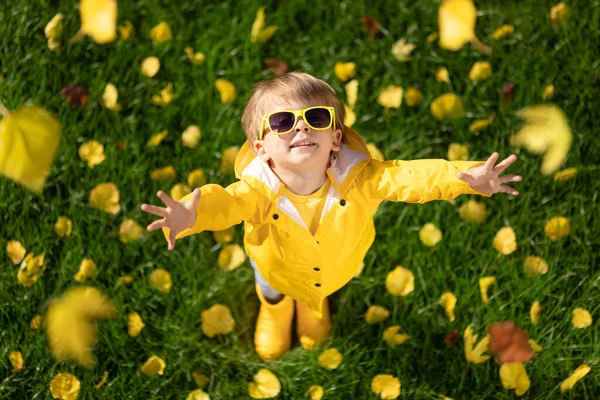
486,178
177,216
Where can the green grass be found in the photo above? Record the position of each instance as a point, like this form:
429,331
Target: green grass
312,38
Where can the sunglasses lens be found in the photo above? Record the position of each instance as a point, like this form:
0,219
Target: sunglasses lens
282,121
319,118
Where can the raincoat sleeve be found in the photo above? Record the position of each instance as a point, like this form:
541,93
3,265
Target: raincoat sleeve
417,181
220,208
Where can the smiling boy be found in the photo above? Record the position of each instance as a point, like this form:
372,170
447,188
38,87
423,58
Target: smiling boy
307,192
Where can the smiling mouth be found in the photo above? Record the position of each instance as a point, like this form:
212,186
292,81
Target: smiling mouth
303,144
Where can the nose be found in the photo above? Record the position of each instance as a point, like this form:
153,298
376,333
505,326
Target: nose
301,125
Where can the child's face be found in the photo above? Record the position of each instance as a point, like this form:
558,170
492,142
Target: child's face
282,150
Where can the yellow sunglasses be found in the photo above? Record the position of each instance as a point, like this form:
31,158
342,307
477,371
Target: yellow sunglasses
282,122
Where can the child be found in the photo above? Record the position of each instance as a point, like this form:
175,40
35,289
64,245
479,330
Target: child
307,191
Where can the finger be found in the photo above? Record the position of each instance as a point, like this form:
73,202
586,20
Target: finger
489,164
160,211
505,163
166,198
195,196
160,223
464,177
510,178
172,240
509,190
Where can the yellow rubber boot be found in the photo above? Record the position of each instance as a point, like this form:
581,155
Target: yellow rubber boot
311,329
273,335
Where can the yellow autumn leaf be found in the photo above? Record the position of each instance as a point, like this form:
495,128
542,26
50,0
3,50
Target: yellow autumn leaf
197,394
376,314
164,174
134,324
105,197
29,139
480,70
92,152
350,116
351,92
479,125
53,30
196,178
344,71
401,50
258,32
546,131
16,359
484,283
31,269
448,302
16,251
514,376
150,66
565,175
445,106
429,234
456,23
442,75
581,318
102,381
385,385
265,385
125,280
579,373
70,323
534,312
129,230
400,282
228,159
125,30
200,379
165,96
330,359
535,265
161,33
179,191
472,211
160,279
559,13
153,366
474,353
413,97
195,58
557,228
503,32
392,337
63,226
217,320
505,241
224,236
87,269
534,346
226,90
390,97
548,92
376,154
98,20
110,97
457,152
65,386
315,392
191,136
36,322
432,37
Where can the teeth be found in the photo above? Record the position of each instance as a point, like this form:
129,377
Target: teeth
302,144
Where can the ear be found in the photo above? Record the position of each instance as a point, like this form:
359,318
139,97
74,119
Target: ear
336,140
259,149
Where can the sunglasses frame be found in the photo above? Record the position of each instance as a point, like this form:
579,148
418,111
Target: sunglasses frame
297,113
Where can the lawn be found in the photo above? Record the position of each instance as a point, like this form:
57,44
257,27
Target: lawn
311,37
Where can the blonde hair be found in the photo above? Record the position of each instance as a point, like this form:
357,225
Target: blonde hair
289,86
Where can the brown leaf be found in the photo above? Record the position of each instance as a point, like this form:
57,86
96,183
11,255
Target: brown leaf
279,67
75,95
371,25
121,145
508,92
509,343
451,338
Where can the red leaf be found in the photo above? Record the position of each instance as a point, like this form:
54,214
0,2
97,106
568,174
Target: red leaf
75,95
509,343
371,24
279,67
120,145
451,338
508,92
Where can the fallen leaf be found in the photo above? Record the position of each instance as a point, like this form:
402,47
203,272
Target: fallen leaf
164,174
392,337
559,13
472,211
371,25
400,282
548,92
514,376
196,58
217,320
385,385
160,279
451,338
31,269
458,152
557,228
231,257
98,20
191,136
16,251
259,33
102,381
484,283
445,106
505,241
507,92
228,159
430,235
153,367
581,318
579,373
315,392
226,90
75,95
196,178
345,71
279,67
448,302
63,226
110,97
129,230
197,394
509,343
474,353
134,324
105,197
125,30
503,32
157,138
330,359
534,312
442,75
165,96
92,152
413,97
161,33
150,66
535,265
401,50
565,174
87,269
16,359
265,385
65,386
480,70
376,314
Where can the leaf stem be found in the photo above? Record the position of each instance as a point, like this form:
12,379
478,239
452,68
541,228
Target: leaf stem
481,47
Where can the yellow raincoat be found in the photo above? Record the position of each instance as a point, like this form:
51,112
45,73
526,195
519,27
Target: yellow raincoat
310,267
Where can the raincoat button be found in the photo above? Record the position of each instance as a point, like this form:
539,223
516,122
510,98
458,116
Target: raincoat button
275,216
342,202
318,242
317,284
317,269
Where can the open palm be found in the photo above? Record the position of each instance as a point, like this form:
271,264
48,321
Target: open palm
486,178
